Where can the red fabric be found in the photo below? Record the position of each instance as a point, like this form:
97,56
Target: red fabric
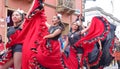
1,46
96,62
12,38
112,46
71,62
27,27
34,28
8,55
96,32
32,37
50,59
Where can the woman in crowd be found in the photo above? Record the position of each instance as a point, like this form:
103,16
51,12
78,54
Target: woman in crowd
76,33
53,46
75,53
13,55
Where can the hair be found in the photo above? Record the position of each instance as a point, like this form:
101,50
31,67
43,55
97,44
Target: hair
22,15
79,27
75,23
1,38
60,23
21,12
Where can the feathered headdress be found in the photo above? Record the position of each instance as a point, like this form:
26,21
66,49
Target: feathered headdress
59,16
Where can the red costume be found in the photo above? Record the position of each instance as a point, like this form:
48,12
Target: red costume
1,46
97,31
9,53
35,53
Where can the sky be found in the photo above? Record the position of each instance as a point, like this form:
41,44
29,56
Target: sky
110,6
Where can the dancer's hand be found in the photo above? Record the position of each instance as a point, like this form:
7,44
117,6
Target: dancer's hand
62,50
100,48
44,37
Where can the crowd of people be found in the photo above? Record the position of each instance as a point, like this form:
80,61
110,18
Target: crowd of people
35,44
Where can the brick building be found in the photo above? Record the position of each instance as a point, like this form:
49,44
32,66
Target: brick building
68,8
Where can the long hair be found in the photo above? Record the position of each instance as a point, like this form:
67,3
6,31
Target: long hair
0,38
22,14
77,28
60,23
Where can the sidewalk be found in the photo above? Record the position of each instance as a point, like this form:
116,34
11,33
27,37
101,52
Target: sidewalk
112,67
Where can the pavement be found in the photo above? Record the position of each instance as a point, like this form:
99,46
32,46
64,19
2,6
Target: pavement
112,67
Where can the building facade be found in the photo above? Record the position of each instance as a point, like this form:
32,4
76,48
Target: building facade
69,9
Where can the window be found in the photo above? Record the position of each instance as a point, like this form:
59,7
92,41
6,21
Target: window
8,19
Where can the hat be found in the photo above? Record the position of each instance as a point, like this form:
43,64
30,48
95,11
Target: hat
59,16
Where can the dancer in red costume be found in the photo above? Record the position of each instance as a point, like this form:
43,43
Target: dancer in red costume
98,30
13,55
73,57
49,54
40,47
